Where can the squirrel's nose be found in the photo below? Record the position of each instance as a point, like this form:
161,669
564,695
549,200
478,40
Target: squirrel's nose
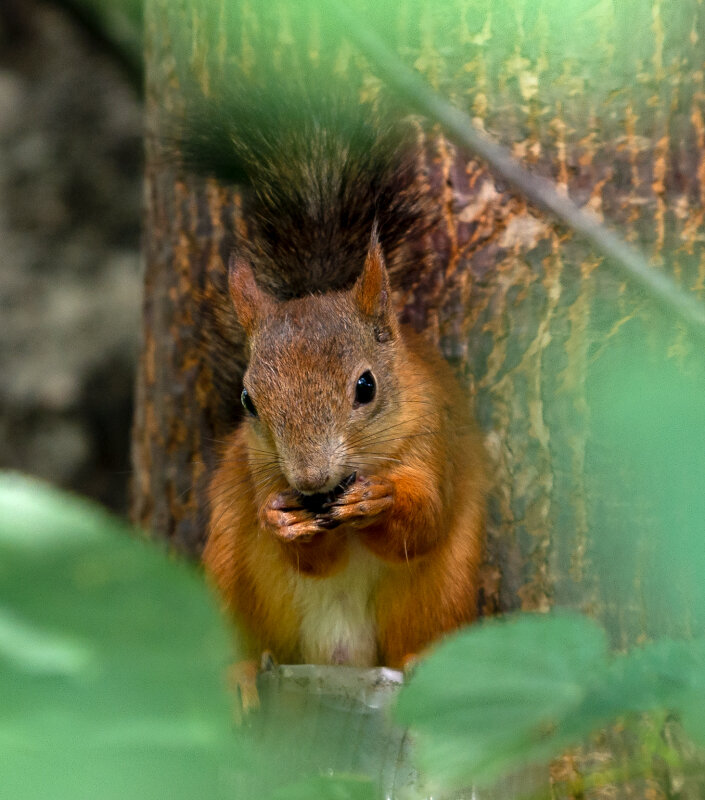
310,480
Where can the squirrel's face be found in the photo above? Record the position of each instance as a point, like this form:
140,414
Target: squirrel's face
317,384
321,385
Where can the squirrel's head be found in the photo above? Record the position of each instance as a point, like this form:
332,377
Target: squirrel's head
321,385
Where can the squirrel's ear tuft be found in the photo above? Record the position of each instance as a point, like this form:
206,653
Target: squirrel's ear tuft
371,292
251,303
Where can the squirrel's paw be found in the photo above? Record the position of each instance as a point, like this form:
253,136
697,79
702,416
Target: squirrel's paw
364,502
242,679
283,515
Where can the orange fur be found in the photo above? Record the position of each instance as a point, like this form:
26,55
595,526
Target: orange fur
400,568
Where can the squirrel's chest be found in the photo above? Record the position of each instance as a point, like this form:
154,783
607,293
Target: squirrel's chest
337,613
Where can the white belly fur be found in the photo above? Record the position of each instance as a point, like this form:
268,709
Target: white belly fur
337,613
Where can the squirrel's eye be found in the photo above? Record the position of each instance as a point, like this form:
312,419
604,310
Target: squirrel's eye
246,401
365,388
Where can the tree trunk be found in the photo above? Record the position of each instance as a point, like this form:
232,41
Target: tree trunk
606,102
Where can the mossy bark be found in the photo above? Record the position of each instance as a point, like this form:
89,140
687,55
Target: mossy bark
519,307
607,101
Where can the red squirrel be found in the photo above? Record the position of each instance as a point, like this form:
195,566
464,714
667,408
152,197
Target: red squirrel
347,507
347,510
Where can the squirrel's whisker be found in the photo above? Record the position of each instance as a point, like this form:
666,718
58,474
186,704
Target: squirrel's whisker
358,441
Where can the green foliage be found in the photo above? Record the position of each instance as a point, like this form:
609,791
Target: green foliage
645,468
111,658
504,695
112,667
487,700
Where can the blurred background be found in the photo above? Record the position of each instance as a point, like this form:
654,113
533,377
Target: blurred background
70,285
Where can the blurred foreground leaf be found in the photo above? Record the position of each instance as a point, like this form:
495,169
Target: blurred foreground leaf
508,694
111,659
488,701
645,486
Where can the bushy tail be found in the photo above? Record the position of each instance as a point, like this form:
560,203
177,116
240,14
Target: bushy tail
320,169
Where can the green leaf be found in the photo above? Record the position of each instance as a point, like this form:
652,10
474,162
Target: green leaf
490,700
645,462
112,659
665,675
657,675
499,697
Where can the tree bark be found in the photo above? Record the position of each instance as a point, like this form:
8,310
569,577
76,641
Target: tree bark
606,102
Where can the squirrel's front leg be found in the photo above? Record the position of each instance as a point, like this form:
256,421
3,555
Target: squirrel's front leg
306,541
400,517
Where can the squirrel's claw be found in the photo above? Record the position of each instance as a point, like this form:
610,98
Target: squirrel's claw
363,502
242,679
287,520
360,504
290,526
267,661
